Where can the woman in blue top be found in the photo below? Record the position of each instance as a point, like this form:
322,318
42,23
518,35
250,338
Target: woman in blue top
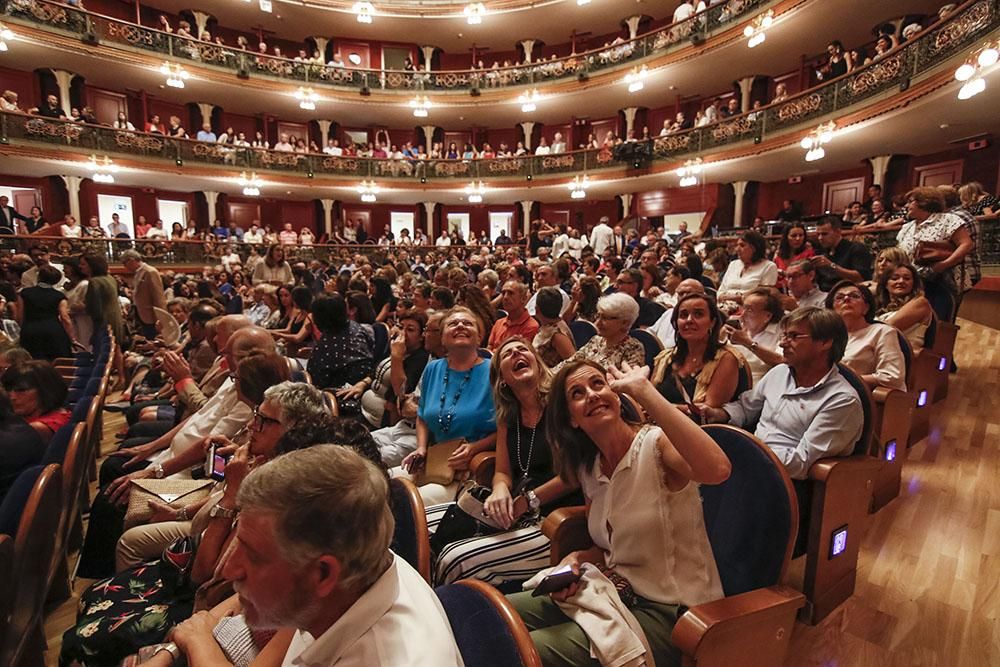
456,401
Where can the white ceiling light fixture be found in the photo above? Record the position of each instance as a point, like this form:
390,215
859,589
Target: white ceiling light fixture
474,13
813,142
529,101
581,3
365,11
103,170
6,35
971,72
755,30
578,187
421,106
252,185
266,6
368,191
307,98
689,172
475,192
636,79
176,75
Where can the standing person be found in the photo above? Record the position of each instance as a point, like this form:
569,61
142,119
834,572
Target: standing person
43,314
600,236
103,306
8,214
147,292
76,298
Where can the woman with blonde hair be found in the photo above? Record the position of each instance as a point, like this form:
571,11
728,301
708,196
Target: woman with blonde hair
978,202
524,485
900,302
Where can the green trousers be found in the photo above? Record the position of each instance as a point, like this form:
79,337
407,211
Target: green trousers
562,642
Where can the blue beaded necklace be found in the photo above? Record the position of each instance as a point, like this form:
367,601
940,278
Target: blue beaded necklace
445,419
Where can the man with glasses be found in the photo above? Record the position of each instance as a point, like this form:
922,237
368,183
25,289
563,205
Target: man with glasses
629,282
805,410
41,257
802,289
840,259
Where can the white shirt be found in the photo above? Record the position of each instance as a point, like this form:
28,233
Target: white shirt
600,239
116,228
683,12
155,233
530,306
874,350
558,147
30,277
71,232
543,150
253,237
664,330
223,414
443,242
398,621
560,245
768,339
739,279
813,298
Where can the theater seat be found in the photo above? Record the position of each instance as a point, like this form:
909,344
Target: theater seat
751,520
892,413
582,331
74,471
927,365
410,541
488,631
651,345
945,335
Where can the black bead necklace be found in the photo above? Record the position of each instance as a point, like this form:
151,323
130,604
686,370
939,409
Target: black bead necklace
445,419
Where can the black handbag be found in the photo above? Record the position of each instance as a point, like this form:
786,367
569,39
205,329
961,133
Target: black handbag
465,517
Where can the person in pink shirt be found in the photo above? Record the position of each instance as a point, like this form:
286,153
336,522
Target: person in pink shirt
287,236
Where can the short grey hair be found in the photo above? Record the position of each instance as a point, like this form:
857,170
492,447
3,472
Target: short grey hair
130,255
300,403
619,305
490,277
326,500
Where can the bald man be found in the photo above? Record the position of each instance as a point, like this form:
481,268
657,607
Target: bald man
662,328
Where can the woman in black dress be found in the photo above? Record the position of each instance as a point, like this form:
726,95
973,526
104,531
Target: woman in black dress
43,313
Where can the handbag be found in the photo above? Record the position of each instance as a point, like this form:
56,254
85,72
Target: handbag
465,517
173,492
436,469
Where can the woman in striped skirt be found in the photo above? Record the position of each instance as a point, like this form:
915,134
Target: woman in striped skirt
525,485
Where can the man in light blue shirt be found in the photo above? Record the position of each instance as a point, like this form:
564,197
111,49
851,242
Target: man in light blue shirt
205,133
804,408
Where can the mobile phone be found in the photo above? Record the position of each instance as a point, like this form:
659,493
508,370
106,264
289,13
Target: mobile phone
734,322
215,465
556,581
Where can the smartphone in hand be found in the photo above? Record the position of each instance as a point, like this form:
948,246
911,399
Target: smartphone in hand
556,581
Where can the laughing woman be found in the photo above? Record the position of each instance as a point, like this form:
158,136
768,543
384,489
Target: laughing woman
524,486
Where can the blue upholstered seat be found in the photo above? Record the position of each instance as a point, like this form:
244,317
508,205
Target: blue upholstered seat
17,498
582,331
483,636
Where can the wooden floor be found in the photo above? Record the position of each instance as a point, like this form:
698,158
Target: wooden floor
928,590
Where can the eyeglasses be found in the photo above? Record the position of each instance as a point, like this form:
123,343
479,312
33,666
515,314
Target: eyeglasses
261,420
843,297
793,335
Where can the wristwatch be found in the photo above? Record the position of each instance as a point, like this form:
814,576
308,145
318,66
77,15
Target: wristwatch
753,346
533,502
218,510
158,471
171,648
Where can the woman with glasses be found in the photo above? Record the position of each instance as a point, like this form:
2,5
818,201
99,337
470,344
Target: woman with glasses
756,336
37,393
456,404
616,313
873,350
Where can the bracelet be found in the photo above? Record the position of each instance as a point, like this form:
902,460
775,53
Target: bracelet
182,514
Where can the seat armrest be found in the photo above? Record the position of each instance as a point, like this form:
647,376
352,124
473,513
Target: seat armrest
566,529
824,469
482,466
753,628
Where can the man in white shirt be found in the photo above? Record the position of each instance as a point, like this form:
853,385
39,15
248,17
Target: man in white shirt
156,231
333,148
558,144
663,328
545,276
600,236
351,601
443,241
802,289
40,256
543,148
117,228
283,144
253,235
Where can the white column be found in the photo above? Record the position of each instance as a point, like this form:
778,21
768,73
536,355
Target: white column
629,119
429,207
327,216
324,131
633,25
880,164
528,45
526,216
428,52
201,20
626,204
64,79
212,198
739,189
428,137
321,44
206,110
746,87
73,188
527,126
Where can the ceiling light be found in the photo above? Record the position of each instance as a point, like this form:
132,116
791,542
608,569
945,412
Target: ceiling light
988,57
354,58
475,192
813,142
368,190
6,35
474,13
971,72
307,98
102,171
965,71
529,101
421,106
636,79
365,11
578,187
689,172
972,88
251,186
176,75
581,3
265,6
754,30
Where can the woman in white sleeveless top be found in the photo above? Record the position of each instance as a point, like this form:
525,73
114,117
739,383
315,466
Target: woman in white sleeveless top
644,510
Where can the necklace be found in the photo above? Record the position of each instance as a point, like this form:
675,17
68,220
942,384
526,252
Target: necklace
531,447
445,419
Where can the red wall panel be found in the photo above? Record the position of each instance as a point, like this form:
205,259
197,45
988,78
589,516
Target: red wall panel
25,84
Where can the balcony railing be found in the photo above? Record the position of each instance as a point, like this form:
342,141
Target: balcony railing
93,27
920,55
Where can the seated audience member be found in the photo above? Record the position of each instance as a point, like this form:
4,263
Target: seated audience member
663,328
524,481
344,355
347,598
613,345
518,322
758,333
885,262
750,269
873,350
804,408
20,445
546,276
455,404
699,368
554,340
400,371
657,469
629,282
901,303
839,259
800,280
794,247
37,395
